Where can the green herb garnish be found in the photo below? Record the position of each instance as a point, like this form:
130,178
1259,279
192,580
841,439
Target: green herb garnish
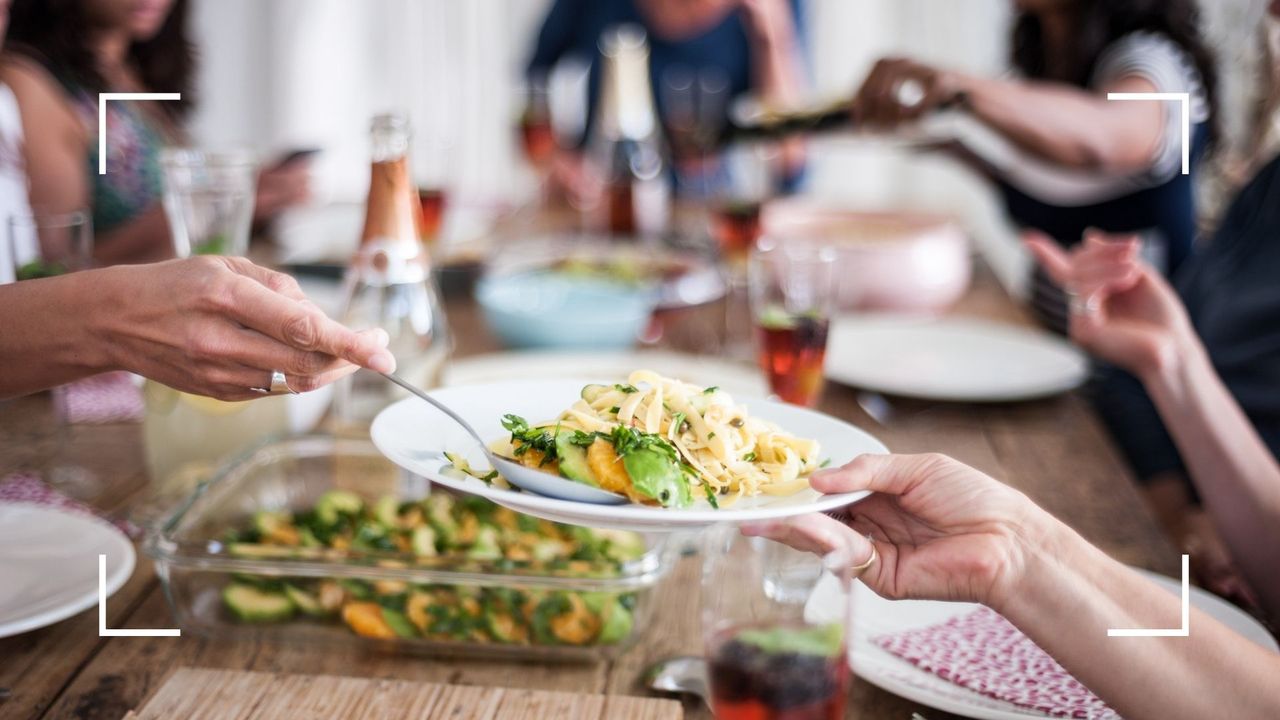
615,409
626,388
750,457
711,390
543,441
711,496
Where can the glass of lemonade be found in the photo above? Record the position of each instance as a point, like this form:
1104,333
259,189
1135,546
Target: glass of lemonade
208,198
776,645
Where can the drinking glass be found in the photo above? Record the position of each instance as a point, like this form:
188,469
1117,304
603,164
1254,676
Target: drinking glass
39,246
792,292
776,627
208,198
46,245
737,202
537,134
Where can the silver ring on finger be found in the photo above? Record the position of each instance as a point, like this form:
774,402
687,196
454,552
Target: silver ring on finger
1081,305
908,92
279,385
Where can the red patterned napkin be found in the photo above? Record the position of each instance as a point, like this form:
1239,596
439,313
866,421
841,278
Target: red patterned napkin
106,398
27,487
985,653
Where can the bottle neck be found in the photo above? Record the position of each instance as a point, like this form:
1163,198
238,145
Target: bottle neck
626,99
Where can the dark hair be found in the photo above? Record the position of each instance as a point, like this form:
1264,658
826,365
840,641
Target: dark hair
55,33
1099,23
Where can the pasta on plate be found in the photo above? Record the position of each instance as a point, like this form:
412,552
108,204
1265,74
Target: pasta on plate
662,441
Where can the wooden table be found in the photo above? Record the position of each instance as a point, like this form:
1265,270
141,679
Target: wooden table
1054,450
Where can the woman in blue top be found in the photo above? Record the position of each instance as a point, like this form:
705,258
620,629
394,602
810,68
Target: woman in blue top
1124,158
751,45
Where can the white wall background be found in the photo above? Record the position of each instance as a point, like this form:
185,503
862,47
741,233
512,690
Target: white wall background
278,74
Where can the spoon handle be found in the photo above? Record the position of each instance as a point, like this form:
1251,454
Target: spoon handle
437,405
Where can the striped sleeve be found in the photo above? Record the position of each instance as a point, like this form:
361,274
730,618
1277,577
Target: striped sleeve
1168,67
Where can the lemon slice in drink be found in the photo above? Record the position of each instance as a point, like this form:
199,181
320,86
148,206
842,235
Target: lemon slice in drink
210,406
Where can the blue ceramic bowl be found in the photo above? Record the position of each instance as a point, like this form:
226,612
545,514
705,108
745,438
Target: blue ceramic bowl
547,309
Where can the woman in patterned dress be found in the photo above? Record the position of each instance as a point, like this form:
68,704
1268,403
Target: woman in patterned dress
61,55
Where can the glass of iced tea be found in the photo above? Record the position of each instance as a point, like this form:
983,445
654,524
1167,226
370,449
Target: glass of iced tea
776,627
792,292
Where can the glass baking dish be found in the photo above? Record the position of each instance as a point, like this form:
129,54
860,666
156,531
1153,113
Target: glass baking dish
585,596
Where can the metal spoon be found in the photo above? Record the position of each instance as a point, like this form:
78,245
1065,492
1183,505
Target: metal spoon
526,478
681,676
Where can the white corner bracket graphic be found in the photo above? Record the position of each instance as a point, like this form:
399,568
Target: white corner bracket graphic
1184,631
1185,100
103,631
102,118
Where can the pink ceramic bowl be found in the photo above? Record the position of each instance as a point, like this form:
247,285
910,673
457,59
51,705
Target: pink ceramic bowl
887,261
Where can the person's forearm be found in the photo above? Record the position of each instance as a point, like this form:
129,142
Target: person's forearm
1063,125
143,239
49,334
1070,593
779,78
1233,469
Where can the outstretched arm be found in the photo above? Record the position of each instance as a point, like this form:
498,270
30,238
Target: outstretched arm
1129,315
210,325
945,531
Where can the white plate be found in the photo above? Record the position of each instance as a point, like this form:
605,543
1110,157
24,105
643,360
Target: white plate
735,378
49,564
414,436
951,359
875,616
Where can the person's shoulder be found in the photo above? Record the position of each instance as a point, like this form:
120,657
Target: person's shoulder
38,92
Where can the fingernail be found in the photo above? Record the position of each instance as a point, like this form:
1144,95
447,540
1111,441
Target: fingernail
381,337
383,362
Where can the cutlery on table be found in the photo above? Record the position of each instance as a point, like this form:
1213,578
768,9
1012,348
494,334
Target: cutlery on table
684,675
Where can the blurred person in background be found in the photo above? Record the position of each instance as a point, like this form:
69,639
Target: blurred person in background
749,46
1221,313
60,55
13,172
1068,55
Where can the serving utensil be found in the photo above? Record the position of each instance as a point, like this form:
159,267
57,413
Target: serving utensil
685,675
525,478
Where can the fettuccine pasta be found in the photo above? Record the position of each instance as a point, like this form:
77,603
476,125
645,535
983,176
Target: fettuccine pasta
730,453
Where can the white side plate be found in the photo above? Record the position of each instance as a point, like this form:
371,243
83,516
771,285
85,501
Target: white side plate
951,359
49,564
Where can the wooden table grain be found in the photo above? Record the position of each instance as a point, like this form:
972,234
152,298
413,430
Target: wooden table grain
1055,450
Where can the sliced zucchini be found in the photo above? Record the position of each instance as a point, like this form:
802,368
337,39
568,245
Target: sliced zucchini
423,541
398,623
251,604
338,502
486,545
276,526
573,460
308,603
616,622
387,511
591,393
